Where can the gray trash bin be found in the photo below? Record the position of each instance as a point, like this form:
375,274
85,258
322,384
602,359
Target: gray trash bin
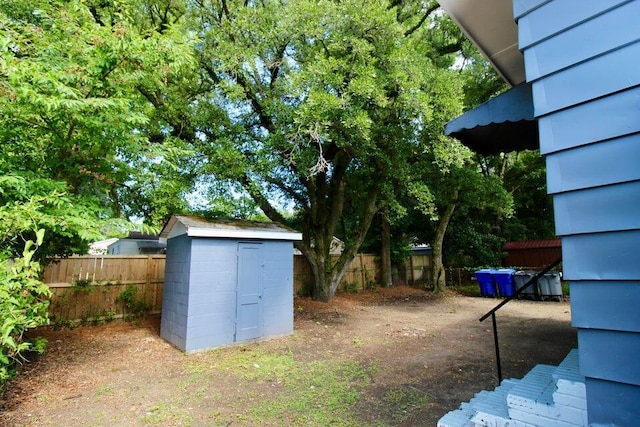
521,278
550,286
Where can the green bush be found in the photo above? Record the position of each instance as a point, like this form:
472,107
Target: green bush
23,306
135,306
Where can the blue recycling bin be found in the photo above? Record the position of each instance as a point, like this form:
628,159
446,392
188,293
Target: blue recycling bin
504,279
485,280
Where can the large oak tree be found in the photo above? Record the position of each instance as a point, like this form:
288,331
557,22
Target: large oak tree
314,105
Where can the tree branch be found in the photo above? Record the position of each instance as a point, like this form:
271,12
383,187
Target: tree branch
428,12
258,197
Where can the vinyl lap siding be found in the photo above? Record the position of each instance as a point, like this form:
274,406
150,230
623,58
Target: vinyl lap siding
581,58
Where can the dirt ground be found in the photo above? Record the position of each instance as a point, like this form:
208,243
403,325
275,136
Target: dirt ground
120,373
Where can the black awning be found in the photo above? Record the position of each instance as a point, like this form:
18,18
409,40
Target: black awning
502,124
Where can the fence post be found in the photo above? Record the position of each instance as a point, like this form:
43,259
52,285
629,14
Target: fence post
148,284
413,280
362,274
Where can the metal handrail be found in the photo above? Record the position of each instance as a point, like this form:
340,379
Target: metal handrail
493,311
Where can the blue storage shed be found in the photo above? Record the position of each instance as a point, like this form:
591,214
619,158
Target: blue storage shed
579,60
226,281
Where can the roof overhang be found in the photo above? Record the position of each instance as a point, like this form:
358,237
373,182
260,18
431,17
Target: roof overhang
490,25
506,122
226,229
502,124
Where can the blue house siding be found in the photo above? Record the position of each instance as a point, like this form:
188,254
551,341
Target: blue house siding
605,397
546,18
611,355
608,209
584,41
576,85
602,256
620,112
619,310
581,58
594,165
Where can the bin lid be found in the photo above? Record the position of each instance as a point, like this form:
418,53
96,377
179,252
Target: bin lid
504,271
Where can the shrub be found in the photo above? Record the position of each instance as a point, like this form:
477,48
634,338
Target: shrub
23,306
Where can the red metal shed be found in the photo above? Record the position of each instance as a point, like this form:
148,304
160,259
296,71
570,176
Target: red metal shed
532,253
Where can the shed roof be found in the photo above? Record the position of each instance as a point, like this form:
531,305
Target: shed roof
533,244
226,228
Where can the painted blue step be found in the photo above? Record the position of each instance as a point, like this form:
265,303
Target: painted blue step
548,396
489,404
532,400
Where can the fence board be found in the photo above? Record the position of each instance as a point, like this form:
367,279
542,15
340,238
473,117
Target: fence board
110,275
417,270
363,271
86,288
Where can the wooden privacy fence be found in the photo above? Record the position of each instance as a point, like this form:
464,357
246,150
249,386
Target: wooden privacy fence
88,288
417,270
361,274
95,287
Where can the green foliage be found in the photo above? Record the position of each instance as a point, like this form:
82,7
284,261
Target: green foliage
135,306
23,306
404,400
72,85
472,290
83,285
319,106
525,179
351,288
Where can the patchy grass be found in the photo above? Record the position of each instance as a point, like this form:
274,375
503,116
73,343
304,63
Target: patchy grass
471,290
164,414
283,390
403,401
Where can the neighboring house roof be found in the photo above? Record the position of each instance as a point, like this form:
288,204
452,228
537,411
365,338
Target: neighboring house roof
225,228
137,235
336,248
100,247
422,249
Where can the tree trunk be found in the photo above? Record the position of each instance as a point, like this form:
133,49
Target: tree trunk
327,278
438,276
385,251
327,271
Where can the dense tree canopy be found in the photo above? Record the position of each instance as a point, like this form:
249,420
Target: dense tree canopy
72,114
319,106
322,113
